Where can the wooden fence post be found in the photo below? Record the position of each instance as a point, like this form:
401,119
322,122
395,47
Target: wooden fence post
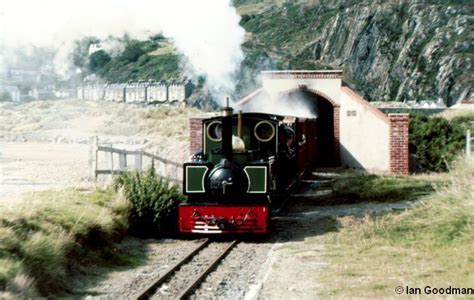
153,164
468,142
138,161
164,169
94,144
111,162
123,161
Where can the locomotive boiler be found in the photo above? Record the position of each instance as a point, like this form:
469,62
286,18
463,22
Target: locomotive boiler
248,162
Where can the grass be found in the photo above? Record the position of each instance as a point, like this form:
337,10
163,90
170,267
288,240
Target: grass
352,188
165,48
249,9
429,244
50,234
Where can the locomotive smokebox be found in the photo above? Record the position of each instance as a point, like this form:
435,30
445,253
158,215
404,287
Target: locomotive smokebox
227,131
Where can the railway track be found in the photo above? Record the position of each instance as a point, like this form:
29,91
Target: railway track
183,278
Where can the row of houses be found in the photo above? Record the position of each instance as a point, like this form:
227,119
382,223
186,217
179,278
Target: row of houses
11,92
137,92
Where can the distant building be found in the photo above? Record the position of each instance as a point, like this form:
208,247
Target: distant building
118,90
12,90
137,92
176,91
430,104
21,75
43,93
63,93
94,48
91,92
464,104
157,92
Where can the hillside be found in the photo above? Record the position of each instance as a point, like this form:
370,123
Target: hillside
389,50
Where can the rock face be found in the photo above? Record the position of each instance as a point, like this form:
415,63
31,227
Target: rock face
389,50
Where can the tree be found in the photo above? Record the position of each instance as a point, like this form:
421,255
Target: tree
98,60
132,51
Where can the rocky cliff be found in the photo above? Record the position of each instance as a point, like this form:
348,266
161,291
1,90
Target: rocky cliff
389,50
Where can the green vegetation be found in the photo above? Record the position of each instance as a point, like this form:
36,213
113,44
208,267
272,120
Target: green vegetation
352,188
140,60
98,60
435,142
429,244
153,202
52,235
48,233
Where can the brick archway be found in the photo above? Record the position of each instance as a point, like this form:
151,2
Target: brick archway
336,115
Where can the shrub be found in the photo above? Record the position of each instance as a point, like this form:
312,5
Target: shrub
98,60
435,142
153,202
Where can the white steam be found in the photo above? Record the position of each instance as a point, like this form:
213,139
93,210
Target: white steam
209,35
293,104
207,32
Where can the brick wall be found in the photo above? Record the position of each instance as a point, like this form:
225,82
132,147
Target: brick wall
195,135
399,155
337,156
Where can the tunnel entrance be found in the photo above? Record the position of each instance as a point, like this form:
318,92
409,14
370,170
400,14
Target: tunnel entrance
326,154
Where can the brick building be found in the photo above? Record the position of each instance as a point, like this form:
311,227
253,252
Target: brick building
350,131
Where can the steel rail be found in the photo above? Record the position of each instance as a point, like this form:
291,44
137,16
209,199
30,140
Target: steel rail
185,293
145,293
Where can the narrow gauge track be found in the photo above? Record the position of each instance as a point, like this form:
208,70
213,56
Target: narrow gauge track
181,279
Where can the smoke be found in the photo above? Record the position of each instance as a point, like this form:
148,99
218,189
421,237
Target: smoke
293,104
209,36
206,32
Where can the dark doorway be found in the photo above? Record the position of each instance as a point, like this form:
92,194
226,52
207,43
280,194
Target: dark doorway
322,109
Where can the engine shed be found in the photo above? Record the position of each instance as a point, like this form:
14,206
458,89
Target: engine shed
349,131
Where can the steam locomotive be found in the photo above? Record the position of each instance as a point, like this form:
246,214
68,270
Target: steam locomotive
248,162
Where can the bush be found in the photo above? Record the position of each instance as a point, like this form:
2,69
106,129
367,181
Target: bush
435,142
153,202
98,60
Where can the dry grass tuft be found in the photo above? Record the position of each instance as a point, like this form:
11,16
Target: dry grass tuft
429,244
47,232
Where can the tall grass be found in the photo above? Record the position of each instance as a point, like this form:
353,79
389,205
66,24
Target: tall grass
429,244
52,235
355,188
42,237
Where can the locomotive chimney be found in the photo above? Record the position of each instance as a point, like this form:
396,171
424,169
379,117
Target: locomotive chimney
227,131
239,125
